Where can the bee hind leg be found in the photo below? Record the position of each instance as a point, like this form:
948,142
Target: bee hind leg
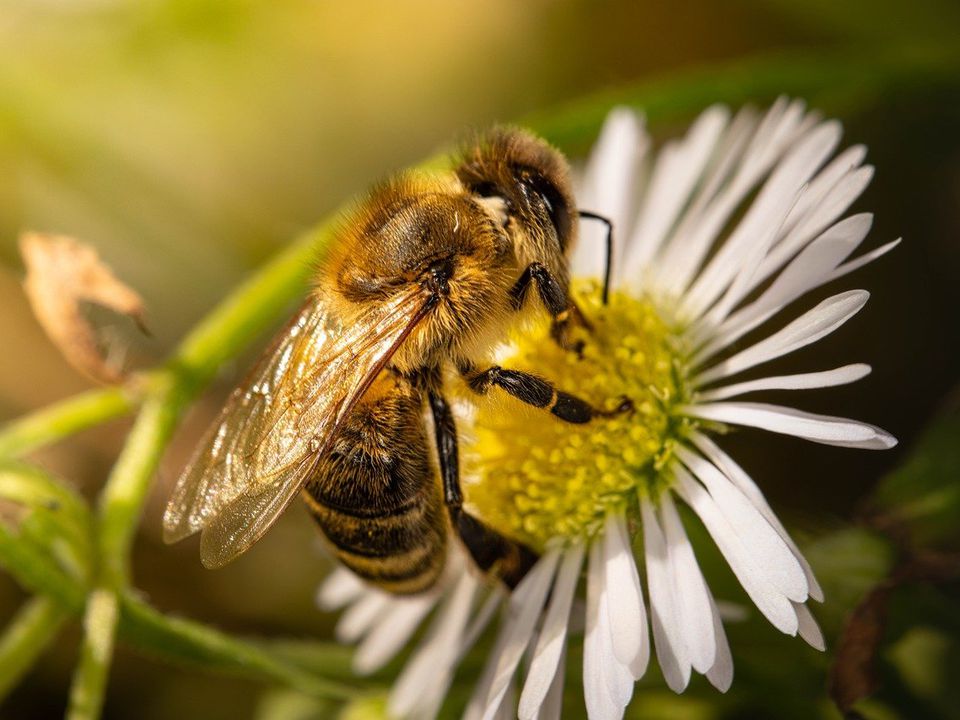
490,550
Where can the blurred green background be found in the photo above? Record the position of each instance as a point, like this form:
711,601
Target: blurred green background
190,140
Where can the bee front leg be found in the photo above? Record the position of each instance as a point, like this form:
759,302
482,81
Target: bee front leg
490,550
561,307
539,393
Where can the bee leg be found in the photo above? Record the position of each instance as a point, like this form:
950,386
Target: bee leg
489,549
562,309
540,393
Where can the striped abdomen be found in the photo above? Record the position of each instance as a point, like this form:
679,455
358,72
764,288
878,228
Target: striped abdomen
376,496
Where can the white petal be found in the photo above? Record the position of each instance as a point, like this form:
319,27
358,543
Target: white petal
823,187
665,614
690,590
721,674
507,703
776,199
807,271
788,421
679,166
749,488
767,549
769,601
391,632
598,656
553,636
688,245
824,211
526,604
423,683
631,643
553,703
481,619
809,630
700,229
618,676
361,616
808,328
803,381
340,588
859,262
610,188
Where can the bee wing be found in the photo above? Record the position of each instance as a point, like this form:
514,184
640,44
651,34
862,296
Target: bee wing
280,420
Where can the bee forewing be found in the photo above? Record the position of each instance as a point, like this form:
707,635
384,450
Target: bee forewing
220,468
263,447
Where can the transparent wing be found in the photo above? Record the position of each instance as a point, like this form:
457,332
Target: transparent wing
275,425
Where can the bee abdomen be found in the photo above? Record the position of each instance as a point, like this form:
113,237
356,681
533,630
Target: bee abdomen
400,548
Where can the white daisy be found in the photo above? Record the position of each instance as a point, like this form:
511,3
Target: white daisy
718,233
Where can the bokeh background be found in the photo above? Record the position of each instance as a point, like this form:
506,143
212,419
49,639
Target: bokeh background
189,140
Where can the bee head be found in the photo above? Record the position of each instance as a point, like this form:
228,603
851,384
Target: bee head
533,181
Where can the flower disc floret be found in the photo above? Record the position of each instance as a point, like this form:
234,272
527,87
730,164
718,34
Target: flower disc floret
535,477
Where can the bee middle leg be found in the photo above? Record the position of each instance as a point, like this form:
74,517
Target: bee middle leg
540,393
490,550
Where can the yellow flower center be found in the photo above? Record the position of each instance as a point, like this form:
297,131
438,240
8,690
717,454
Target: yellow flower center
534,477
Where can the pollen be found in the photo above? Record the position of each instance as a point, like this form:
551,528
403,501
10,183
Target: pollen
538,479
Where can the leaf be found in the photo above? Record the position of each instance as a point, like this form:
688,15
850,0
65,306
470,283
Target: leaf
918,508
47,515
921,499
61,274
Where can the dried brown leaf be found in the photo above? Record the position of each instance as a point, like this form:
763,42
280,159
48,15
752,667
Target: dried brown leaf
63,272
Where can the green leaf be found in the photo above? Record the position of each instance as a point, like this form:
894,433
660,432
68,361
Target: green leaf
923,495
51,516
32,565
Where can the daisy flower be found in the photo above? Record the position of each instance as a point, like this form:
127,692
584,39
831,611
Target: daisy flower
717,234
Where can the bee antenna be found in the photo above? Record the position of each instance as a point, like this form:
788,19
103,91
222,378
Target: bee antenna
587,215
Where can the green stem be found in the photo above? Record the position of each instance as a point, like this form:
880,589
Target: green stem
186,641
50,424
90,676
26,637
121,503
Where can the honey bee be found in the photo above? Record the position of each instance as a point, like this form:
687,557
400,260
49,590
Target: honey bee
422,279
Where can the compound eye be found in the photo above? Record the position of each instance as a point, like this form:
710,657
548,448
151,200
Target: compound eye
553,202
486,189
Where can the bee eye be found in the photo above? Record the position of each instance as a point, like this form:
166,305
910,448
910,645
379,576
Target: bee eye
486,189
553,202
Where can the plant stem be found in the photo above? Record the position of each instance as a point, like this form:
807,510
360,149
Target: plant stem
186,641
28,634
90,677
121,503
61,419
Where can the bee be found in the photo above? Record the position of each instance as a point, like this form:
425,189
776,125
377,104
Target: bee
419,283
